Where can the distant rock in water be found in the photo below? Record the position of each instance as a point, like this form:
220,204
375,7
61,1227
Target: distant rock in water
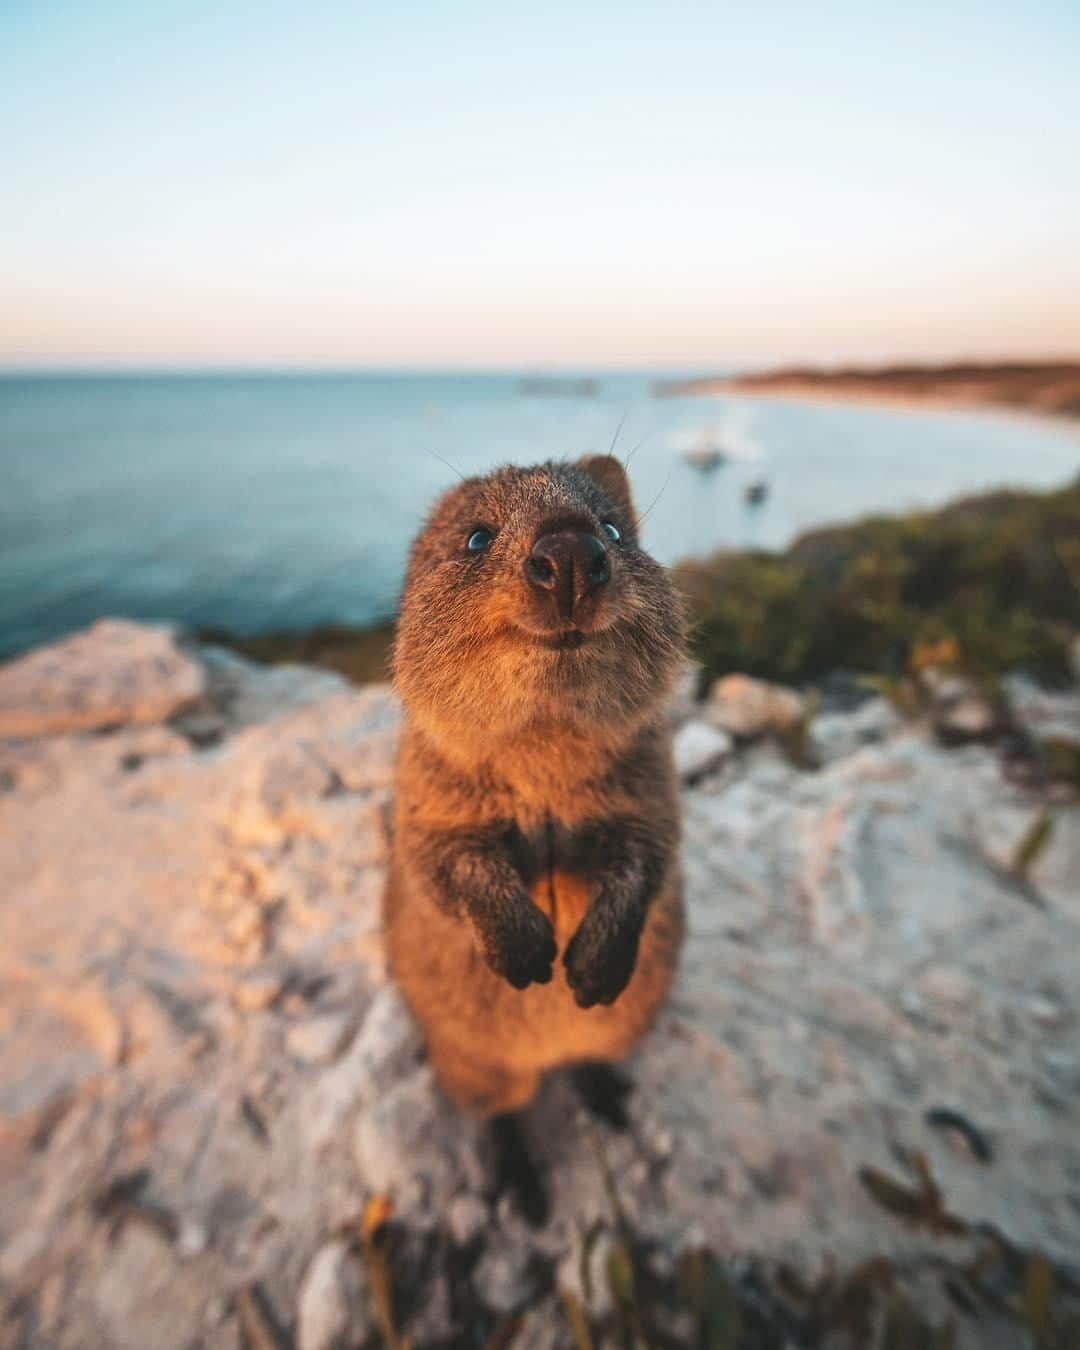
205,1071
552,386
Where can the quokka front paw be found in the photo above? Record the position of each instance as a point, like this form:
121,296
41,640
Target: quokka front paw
518,942
601,957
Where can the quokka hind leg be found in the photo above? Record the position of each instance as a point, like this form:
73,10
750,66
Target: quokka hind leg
516,1172
482,1089
603,1090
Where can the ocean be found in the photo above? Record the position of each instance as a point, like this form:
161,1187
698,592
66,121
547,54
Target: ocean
257,502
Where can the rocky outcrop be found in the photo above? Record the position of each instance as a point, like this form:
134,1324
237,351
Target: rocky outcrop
699,748
960,711
115,673
833,735
750,708
1051,719
206,1076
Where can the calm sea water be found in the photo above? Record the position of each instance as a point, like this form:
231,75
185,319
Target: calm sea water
281,501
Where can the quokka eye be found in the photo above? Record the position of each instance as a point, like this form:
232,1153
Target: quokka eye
611,530
480,539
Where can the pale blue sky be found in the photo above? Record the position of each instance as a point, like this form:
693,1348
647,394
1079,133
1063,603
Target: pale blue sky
595,184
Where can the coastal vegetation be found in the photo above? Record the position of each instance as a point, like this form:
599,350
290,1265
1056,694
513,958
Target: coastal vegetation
360,654
996,578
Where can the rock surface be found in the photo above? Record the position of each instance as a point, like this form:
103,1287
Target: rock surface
332,1313
1050,718
205,1074
115,672
834,735
750,708
698,748
960,710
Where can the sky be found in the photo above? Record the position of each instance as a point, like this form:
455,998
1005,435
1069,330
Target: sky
438,184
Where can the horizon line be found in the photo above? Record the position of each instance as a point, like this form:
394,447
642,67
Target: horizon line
541,370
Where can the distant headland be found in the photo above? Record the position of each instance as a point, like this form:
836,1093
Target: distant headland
1029,386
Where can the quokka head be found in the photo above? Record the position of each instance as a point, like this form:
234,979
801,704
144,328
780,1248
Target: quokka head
529,600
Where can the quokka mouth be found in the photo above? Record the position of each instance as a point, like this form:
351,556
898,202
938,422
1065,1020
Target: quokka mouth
568,640
573,638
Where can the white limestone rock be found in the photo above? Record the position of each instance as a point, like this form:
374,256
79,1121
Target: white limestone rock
112,674
700,748
859,952
748,708
832,736
332,1310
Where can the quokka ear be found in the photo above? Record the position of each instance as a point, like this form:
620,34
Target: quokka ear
609,473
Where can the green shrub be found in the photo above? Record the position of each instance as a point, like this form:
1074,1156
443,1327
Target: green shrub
999,574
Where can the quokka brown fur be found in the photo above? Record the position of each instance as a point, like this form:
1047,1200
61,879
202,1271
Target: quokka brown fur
533,908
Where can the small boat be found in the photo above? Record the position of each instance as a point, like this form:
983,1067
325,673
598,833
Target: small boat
707,454
706,458
756,492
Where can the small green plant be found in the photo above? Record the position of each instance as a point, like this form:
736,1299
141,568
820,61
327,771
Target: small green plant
1032,843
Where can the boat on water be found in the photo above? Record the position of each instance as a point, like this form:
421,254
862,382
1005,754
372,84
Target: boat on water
706,458
756,492
707,453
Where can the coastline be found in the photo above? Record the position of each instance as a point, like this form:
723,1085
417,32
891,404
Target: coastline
1035,390
256,556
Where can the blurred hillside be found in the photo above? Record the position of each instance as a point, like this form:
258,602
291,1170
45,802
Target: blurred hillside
1033,386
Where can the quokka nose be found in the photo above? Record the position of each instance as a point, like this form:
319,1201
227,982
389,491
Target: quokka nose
571,564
